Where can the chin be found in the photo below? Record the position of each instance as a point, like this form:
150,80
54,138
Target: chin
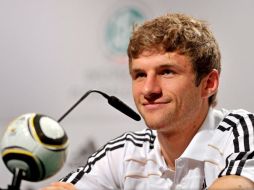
155,125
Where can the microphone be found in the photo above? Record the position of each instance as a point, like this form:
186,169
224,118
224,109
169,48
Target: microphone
112,100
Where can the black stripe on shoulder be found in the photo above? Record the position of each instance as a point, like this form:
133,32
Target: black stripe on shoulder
89,165
245,131
142,136
136,138
228,122
233,121
240,123
66,177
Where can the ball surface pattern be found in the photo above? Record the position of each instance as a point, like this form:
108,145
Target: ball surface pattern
35,143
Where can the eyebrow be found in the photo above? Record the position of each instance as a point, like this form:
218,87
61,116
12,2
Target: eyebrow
134,71
165,65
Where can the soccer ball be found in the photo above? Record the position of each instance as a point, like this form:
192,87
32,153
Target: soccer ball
36,144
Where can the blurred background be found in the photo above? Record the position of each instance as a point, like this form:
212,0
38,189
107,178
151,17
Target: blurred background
53,51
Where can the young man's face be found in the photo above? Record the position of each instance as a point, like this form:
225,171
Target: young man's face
164,90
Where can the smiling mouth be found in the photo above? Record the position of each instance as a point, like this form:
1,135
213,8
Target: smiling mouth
154,105
155,102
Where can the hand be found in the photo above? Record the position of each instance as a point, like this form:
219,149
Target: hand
232,182
60,186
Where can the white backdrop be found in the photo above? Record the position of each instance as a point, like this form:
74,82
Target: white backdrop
53,51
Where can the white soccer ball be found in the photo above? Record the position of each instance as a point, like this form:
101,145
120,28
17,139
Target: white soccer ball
36,144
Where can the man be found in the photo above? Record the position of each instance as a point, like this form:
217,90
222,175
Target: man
174,63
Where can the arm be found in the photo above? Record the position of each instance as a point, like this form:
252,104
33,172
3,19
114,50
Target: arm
232,182
235,155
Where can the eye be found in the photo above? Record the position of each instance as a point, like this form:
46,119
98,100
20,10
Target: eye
137,75
166,72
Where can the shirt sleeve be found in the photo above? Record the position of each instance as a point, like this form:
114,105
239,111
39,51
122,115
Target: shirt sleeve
102,171
238,154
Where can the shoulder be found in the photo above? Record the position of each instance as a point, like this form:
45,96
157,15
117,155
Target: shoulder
235,131
107,162
131,140
236,119
235,137
126,143
137,138
231,149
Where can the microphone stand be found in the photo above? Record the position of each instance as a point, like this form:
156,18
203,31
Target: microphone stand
16,180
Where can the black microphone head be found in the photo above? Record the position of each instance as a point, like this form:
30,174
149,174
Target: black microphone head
121,106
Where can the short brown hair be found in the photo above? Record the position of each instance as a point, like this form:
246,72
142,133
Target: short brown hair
181,33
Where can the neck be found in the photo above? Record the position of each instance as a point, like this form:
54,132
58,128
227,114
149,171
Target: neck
174,143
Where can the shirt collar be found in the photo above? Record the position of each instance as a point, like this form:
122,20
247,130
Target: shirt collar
198,145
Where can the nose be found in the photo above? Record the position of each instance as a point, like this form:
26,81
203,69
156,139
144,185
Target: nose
152,89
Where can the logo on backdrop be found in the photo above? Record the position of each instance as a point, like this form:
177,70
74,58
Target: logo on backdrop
119,27
117,31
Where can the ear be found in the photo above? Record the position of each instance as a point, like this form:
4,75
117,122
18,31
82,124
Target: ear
210,84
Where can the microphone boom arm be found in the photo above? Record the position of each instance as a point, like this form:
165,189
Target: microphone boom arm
112,100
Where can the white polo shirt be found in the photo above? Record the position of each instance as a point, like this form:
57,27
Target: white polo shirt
224,145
